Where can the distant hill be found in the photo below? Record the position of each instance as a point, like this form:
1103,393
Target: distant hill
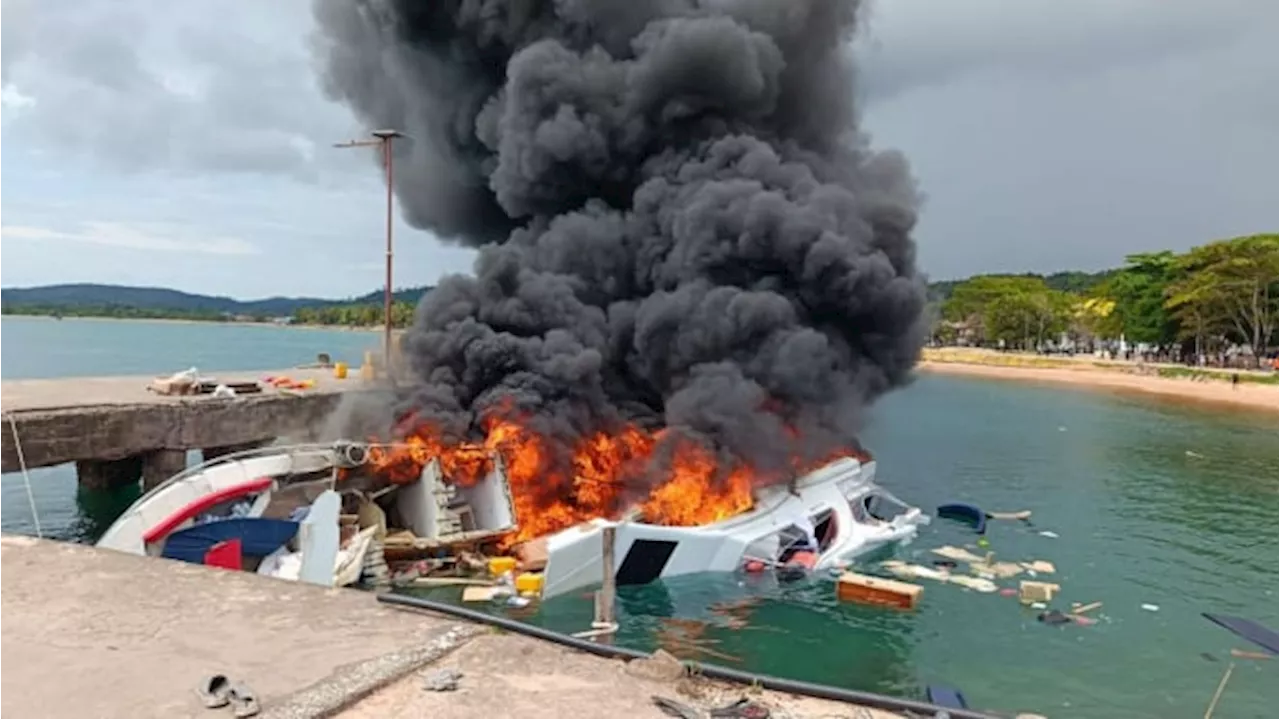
157,299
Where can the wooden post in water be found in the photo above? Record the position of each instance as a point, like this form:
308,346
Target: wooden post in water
605,622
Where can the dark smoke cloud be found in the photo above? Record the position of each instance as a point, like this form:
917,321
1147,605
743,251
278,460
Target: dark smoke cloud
681,222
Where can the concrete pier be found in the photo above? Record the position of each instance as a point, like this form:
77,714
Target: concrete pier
96,633
117,431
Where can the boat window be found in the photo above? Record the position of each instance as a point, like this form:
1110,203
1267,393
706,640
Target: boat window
882,507
824,528
792,539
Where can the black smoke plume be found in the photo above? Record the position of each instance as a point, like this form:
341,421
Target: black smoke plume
680,221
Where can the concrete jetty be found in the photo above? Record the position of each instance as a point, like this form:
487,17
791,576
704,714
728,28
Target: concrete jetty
96,633
116,430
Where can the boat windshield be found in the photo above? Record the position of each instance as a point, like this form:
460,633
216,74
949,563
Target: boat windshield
877,506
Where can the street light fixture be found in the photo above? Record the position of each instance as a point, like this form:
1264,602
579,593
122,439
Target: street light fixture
383,138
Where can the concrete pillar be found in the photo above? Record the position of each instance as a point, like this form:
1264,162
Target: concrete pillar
211,453
100,475
160,465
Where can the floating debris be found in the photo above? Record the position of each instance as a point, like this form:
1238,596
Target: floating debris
1023,515
862,589
1030,592
1151,607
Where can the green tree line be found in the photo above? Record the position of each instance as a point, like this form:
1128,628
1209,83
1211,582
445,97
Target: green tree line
361,314
1210,298
115,311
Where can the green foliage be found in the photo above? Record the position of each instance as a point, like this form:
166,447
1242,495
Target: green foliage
1224,291
1138,290
87,300
362,314
114,311
1228,289
1017,310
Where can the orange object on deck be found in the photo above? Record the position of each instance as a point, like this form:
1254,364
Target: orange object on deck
803,559
862,589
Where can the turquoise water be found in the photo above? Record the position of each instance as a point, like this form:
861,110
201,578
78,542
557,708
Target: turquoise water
1152,503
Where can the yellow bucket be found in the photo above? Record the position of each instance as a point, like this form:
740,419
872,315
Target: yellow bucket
340,370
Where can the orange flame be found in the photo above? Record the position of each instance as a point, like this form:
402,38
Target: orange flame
554,490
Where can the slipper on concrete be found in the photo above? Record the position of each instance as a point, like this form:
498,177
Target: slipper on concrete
243,701
215,691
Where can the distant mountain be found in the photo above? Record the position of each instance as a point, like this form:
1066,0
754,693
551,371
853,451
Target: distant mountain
157,299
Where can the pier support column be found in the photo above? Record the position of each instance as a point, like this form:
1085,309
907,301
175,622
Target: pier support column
211,453
160,465
100,474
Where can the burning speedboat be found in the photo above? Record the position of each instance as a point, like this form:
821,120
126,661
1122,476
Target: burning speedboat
835,514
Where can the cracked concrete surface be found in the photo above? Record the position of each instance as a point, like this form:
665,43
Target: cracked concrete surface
97,634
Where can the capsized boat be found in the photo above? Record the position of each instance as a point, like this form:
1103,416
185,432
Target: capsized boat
838,507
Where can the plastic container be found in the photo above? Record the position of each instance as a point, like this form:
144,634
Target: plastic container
529,583
501,565
340,370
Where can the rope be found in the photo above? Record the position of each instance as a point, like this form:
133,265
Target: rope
26,478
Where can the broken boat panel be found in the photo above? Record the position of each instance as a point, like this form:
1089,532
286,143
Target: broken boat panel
432,507
837,511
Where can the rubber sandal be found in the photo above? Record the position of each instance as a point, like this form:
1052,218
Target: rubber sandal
215,691
243,702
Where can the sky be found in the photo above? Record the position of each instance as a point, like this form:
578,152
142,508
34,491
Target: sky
189,145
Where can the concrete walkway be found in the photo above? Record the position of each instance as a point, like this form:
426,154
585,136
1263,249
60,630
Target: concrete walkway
27,395
506,675
94,634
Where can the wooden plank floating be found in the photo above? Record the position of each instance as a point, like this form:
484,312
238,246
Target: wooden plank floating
860,588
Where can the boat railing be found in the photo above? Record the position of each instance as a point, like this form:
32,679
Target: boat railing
334,452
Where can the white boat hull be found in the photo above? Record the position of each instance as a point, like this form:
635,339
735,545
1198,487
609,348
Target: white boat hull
645,552
128,532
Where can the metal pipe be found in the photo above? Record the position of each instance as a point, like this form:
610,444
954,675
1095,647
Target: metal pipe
713,671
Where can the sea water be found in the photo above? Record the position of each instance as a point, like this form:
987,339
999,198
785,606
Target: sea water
1143,502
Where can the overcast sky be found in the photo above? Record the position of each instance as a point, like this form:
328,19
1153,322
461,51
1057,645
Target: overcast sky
187,144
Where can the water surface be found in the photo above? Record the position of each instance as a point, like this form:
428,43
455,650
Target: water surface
1153,503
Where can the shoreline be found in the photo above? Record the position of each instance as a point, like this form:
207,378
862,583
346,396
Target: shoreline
1247,396
216,323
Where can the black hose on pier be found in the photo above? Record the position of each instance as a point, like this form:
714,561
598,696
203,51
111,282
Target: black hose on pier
713,671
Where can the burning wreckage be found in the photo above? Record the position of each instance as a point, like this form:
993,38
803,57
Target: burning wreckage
337,514
678,223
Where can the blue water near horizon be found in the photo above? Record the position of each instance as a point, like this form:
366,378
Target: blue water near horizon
1153,502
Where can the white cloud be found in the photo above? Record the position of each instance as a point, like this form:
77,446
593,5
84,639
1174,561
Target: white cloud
11,98
151,237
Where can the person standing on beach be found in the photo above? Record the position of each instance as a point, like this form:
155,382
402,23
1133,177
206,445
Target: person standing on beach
1235,380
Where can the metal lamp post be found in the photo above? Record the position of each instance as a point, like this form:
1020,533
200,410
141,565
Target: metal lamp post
383,138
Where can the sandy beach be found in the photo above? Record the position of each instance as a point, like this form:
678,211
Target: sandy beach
1107,377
